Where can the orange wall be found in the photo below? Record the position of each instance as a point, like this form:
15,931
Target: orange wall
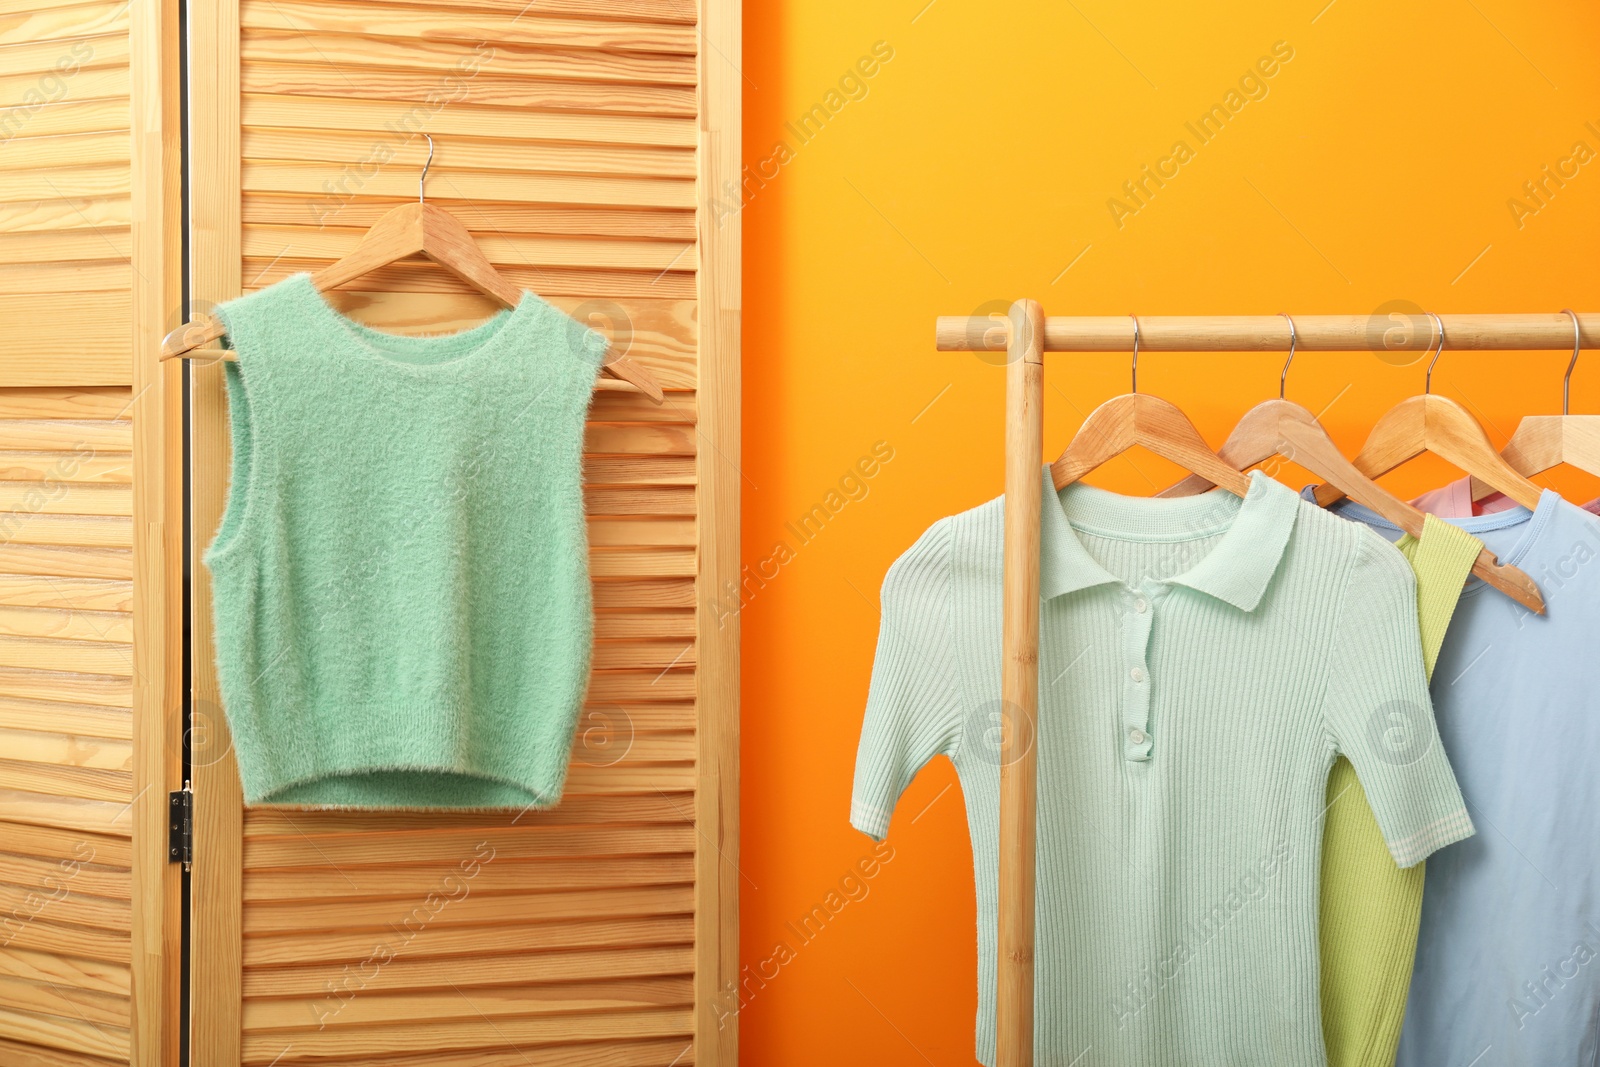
975,165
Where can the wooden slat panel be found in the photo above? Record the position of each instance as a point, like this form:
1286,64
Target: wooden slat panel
68,242
72,62
411,883
72,116
86,531
651,1052
463,119
73,718
332,51
87,657
54,215
103,150
100,1009
17,1054
85,782
569,146
93,976
664,807
641,531
453,941
76,20
108,83
475,909
75,403
39,466
63,843
53,811
68,1034
71,594
66,562
106,690
680,11
494,216
405,973
80,436
550,282
47,937
490,87
33,325
452,846
312,181
471,27
332,242
335,149
70,625
71,750
268,1047
373,1008
65,875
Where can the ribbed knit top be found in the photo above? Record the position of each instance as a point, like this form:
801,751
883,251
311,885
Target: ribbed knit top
401,576
1201,663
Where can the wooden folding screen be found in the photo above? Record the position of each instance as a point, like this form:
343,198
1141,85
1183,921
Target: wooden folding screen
582,141
90,533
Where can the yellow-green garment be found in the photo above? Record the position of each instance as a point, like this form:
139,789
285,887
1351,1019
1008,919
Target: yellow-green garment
1370,908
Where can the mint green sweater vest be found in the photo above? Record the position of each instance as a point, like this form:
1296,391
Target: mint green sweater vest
401,586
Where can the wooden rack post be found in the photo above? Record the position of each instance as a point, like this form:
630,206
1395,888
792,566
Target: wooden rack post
1025,335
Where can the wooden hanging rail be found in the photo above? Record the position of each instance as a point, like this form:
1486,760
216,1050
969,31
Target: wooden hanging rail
1019,335
1270,333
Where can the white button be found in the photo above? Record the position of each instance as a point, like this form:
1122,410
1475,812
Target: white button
1141,605
1136,674
1136,735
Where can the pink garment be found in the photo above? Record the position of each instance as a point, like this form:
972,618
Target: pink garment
1454,501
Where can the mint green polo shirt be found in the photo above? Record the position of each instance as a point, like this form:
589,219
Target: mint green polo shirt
1202,661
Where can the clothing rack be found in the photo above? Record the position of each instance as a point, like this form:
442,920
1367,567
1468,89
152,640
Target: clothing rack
1025,334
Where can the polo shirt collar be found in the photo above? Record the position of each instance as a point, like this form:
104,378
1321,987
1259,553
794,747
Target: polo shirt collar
1237,570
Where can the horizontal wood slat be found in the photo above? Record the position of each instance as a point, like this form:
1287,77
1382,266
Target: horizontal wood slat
67,1034
465,25
95,976
374,1008
466,120
474,909
451,846
468,58
445,941
406,973
274,73
53,811
268,1047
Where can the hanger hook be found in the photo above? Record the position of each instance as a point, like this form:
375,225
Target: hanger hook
422,195
1577,342
1135,382
1283,376
1427,383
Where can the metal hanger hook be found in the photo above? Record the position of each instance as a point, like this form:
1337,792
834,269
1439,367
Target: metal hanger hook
1438,325
1135,382
1577,343
1283,376
422,195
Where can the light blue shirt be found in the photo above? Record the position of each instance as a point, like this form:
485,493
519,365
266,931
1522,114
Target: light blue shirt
1508,958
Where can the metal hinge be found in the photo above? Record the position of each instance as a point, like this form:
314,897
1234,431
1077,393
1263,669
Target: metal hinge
180,826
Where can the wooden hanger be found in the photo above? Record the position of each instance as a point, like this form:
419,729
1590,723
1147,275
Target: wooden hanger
1280,427
1136,419
1546,441
410,229
1436,424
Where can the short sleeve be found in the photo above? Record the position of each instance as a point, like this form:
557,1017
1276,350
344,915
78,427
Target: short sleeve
913,711
1380,714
